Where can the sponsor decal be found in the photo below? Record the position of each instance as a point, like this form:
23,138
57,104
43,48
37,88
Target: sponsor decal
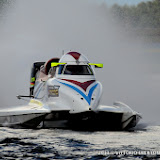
53,91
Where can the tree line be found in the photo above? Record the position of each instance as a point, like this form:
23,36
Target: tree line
143,15
4,4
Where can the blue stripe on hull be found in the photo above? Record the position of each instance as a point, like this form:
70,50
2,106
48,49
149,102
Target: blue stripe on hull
87,98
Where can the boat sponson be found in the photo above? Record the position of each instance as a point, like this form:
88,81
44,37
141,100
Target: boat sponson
87,120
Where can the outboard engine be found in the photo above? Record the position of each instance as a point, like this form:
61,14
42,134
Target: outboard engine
35,68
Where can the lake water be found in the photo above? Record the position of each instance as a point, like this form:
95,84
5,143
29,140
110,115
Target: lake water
66,144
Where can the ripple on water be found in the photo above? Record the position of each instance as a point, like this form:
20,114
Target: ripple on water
66,144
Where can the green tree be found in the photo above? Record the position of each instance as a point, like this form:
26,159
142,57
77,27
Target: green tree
144,15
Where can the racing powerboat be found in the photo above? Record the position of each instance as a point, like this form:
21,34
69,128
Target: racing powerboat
68,87
64,93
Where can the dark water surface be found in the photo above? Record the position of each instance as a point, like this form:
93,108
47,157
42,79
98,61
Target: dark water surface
67,144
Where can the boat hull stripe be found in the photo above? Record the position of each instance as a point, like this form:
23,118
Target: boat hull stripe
86,97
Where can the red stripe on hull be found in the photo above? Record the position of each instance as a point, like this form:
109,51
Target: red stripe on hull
83,85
